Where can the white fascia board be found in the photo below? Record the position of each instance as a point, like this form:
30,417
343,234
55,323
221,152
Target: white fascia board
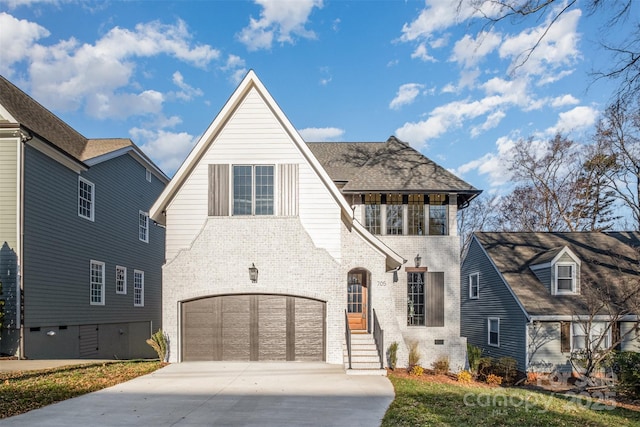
567,251
134,152
540,266
6,115
504,281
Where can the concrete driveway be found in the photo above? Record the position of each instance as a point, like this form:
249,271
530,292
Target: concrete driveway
227,394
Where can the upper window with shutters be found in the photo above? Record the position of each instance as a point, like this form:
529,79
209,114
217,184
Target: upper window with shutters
253,190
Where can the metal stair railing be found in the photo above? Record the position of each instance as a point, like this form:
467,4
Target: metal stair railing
347,336
378,336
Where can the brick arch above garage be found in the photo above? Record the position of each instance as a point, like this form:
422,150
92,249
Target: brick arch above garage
253,327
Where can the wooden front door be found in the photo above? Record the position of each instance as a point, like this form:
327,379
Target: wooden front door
357,301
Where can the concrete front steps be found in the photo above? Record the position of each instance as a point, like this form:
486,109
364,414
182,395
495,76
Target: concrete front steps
364,356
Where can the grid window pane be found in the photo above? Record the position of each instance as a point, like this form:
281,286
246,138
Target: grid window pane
138,288
143,227
85,199
372,213
121,280
354,294
394,214
96,291
565,277
264,190
415,299
416,215
242,190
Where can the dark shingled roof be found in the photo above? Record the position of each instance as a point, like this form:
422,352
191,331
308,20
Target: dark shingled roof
391,166
606,258
36,119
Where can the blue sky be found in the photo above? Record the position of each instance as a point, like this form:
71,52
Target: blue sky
426,71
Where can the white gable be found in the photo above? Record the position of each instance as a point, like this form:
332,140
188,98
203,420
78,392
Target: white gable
251,129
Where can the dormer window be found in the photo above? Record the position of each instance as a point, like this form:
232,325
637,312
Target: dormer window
565,282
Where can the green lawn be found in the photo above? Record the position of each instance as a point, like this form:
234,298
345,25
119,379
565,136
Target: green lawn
23,391
421,403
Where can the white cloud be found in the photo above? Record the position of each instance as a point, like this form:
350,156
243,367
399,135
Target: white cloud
469,51
494,165
491,122
561,101
407,93
121,106
554,47
421,53
236,66
186,92
576,119
279,20
446,117
321,134
439,15
167,149
327,76
70,75
12,4
17,39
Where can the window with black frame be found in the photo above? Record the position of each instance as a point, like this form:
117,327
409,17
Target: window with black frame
438,214
372,215
415,213
415,299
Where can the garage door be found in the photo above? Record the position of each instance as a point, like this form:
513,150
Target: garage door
253,327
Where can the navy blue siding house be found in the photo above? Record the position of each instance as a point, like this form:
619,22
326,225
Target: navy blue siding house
80,261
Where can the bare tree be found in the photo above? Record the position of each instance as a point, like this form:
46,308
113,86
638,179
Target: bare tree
618,136
625,55
561,186
480,215
609,302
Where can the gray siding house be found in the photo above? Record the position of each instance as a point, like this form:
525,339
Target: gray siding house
80,261
279,249
530,295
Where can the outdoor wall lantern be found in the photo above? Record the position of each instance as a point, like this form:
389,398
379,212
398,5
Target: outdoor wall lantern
253,273
418,260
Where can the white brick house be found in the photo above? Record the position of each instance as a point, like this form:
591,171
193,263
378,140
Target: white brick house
333,230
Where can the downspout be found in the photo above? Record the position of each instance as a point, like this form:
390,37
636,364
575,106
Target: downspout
24,137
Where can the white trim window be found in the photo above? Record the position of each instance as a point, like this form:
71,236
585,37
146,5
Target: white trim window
474,286
143,227
96,287
121,280
148,175
493,331
599,336
86,199
138,288
565,278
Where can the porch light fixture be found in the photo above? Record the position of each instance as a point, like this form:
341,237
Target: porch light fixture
418,260
253,273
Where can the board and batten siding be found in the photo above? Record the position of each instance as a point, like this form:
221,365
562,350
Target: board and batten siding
254,135
59,245
495,300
